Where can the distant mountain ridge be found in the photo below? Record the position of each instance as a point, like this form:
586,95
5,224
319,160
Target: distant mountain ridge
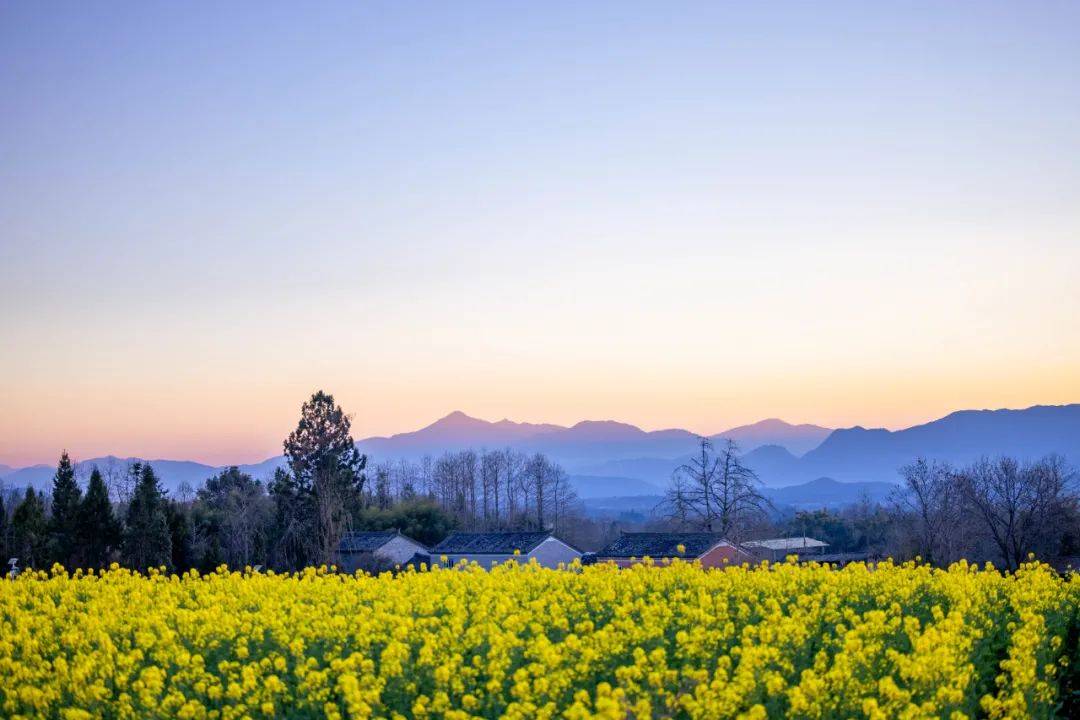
588,440
603,456
796,439
172,473
585,444
861,455
960,437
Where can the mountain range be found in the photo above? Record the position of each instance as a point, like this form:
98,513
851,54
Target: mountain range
608,458
587,442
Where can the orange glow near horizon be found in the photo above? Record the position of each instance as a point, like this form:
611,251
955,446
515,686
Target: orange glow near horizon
188,423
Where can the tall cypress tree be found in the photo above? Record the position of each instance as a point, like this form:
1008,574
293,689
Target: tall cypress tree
63,526
325,485
99,531
147,540
29,530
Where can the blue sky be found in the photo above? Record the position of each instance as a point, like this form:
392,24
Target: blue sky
670,214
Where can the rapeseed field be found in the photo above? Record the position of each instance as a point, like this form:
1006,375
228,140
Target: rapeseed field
787,640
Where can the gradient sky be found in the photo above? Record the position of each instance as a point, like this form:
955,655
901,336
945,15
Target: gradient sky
672,214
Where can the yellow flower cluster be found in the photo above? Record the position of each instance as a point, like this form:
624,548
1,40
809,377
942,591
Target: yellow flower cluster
786,640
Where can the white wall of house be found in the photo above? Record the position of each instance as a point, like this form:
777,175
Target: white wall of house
553,551
400,549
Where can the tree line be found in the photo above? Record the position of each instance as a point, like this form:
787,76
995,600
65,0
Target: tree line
998,510
993,509
296,519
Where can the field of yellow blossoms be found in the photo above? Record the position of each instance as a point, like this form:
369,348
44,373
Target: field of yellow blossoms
523,642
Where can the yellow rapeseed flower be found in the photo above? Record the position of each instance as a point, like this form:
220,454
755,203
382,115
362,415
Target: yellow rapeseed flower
521,641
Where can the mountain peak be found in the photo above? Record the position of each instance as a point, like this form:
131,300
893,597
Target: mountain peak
457,417
770,423
798,439
606,428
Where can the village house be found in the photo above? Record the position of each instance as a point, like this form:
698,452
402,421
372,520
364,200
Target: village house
711,549
366,550
777,549
492,548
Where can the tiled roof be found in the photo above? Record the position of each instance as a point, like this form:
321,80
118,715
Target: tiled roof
365,541
490,543
796,543
661,545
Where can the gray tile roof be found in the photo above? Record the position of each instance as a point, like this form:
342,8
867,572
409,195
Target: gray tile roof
490,543
795,543
662,545
365,541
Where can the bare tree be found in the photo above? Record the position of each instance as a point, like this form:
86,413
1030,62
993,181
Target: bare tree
534,479
931,502
689,499
118,480
484,490
513,463
184,492
467,464
406,480
490,476
562,497
1019,506
715,492
738,493
427,479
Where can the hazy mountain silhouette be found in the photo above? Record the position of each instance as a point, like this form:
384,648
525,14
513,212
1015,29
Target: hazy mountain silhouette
796,439
618,450
456,431
829,493
589,441
605,455
773,464
961,437
594,486
29,475
822,493
586,448
651,469
172,473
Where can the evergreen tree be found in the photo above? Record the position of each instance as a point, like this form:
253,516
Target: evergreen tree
99,530
212,556
323,489
147,540
182,556
29,530
63,526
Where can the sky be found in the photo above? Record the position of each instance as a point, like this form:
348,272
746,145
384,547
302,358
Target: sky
671,214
